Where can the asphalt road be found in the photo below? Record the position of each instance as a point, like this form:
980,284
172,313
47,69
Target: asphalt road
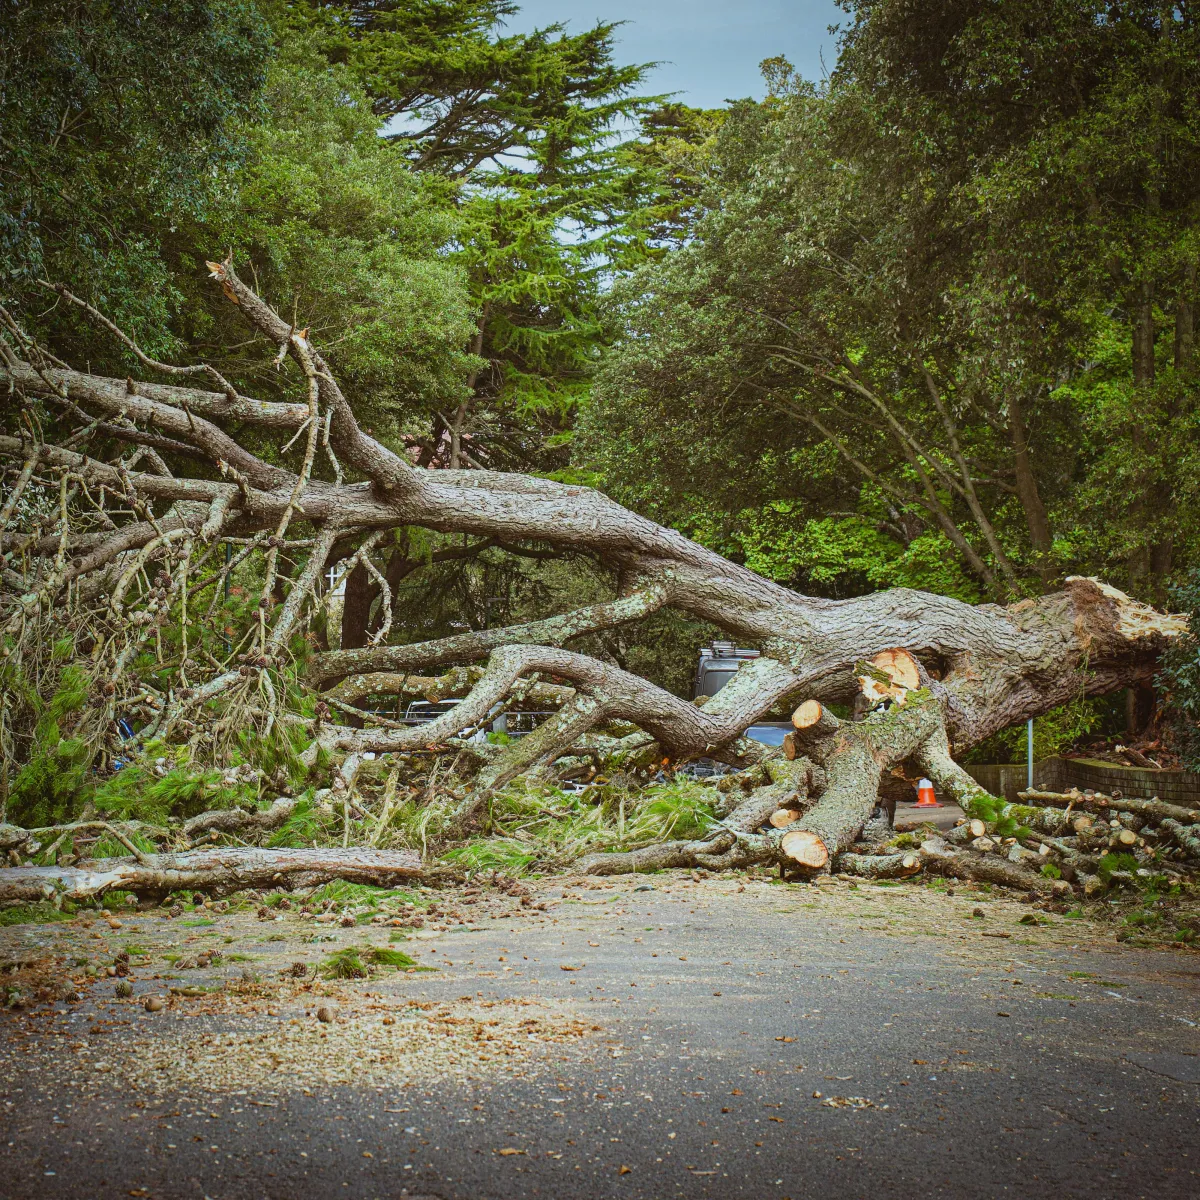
1050,1063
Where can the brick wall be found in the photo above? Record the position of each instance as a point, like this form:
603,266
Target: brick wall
1059,774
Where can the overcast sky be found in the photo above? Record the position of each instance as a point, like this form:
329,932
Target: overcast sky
709,50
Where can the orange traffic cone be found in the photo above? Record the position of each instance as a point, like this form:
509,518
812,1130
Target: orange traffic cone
925,795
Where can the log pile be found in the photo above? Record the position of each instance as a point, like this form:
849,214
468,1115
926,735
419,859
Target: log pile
1056,842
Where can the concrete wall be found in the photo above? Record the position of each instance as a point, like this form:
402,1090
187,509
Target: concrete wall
1059,774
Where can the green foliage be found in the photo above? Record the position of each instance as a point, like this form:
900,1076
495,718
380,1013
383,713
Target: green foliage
355,962
1115,862
35,914
119,120
532,825
384,956
1179,678
346,963
352,895
306,825
49,785
1055,731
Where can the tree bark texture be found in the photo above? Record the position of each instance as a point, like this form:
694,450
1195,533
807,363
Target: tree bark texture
217,872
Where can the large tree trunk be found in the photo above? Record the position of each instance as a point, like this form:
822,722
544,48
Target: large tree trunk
982,668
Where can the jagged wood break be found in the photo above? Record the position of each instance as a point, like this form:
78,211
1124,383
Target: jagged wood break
944,674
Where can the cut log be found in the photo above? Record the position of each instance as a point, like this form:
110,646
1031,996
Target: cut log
783,817
814,720
805,848
215,871
976,827
1154,810
237,820
880,866
941,859
1125,838
1188,838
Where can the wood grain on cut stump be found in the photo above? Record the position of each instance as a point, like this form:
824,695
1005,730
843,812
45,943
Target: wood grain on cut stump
782,817
900,666
806,848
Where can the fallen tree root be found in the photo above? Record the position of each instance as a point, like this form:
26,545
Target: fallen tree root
217,872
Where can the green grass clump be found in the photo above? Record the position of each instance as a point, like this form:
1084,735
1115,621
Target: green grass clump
33,914
306,825
346,963
509,855
355,962
347,895
383,956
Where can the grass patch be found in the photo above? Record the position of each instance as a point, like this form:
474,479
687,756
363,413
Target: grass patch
33,914
348,895
199,921
240,957
381,956
356,962
132,949
346,963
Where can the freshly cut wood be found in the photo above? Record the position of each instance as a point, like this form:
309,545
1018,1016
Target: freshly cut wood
806,848
977,827
215,871
1125,837
812,722
900,666
814,719
238,820
783,817
1082,822
1154,810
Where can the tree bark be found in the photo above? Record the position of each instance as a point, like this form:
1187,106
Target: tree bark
218,872
1036,520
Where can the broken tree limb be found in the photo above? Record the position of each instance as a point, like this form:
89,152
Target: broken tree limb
939,858
217,872
1186,837
879,866
1154,810
238,820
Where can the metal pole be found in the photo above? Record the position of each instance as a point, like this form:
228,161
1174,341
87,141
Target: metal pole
1029,754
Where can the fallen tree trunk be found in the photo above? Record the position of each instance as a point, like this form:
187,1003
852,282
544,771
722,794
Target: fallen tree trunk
933,675
217,872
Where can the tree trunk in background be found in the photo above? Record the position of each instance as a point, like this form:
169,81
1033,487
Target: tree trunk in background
356,608
1027,489
1143,335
